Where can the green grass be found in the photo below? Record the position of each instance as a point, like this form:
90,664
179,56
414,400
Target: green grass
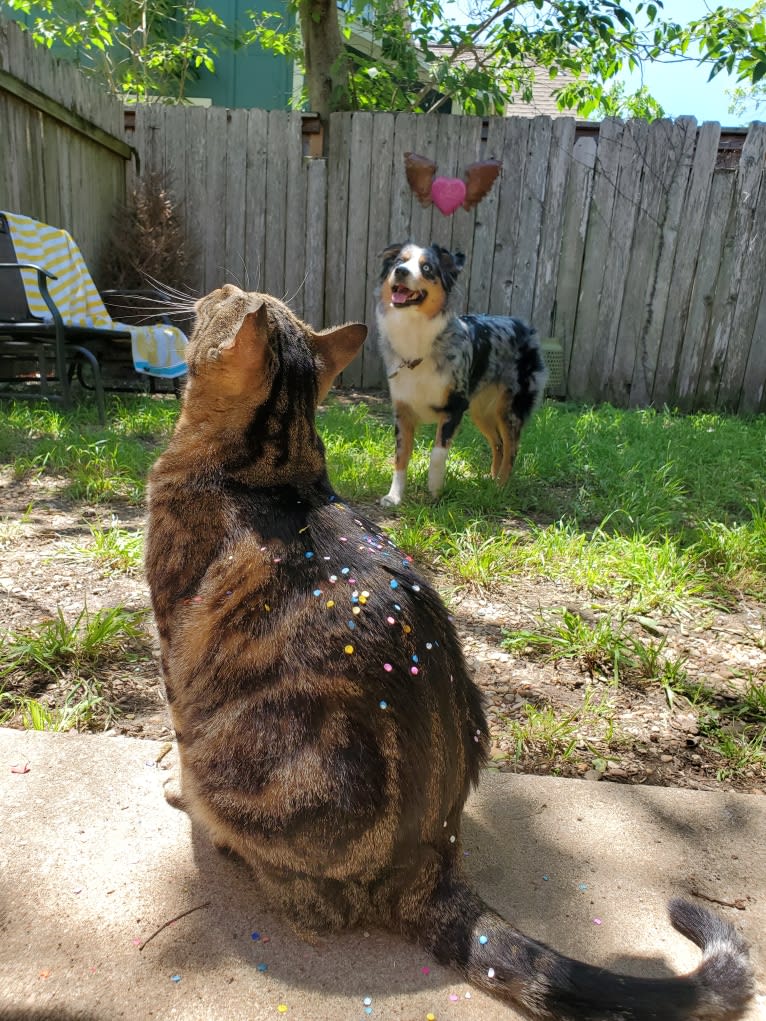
97,463
648,514
55,645
657,510
607,648
113,549
72,655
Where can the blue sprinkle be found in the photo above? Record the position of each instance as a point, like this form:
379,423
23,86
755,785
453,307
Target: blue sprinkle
175,978
394,583
263,967
383,705
317,592
582,887
546,878
368,1010
344,570
397,606
414,659
352,624
308,554
483,940
255,935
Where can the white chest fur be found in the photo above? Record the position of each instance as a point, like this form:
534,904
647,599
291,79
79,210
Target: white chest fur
412,373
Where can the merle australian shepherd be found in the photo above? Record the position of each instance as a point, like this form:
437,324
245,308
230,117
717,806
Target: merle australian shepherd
439,364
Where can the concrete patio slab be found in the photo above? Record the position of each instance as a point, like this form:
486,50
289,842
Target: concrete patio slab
93,862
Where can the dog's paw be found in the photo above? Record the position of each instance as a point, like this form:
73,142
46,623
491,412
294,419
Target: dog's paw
390,500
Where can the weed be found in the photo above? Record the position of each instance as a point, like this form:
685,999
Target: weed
55,645
114,549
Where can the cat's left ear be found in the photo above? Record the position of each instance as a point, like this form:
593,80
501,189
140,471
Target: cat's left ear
335,348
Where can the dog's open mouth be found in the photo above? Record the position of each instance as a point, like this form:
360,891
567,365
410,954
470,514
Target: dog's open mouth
402,296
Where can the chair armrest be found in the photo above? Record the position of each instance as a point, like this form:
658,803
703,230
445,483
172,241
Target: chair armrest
28,265
43,276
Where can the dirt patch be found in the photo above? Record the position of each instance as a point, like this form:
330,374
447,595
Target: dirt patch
585,725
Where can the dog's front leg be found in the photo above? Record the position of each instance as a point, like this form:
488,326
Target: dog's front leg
404,424
449,420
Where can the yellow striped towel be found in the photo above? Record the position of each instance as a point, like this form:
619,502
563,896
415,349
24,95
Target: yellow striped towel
158,350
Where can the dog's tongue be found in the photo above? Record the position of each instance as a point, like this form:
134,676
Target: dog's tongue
400,296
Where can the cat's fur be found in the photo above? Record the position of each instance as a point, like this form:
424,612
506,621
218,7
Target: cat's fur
327,727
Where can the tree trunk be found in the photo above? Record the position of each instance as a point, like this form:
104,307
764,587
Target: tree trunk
325,58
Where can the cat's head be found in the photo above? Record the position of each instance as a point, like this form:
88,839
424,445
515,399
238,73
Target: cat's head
243,342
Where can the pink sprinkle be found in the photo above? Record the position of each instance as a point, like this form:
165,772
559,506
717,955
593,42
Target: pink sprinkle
136,941
390,620
414,670
343,539
425,970
597,921
387,667
453,997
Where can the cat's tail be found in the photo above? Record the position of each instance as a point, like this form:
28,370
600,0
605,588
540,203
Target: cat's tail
459,929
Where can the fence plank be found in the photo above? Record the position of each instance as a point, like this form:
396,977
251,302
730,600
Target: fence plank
749,265
426,135
682,137
276,205
485,228
531,217
316,227
693,228
695,382
585,346
383,172
574,232
753,397
514,150
295,227
337,215
641,265
639,195
233,226
649,385
447,152
402,198
255,198
463,223
549,258
355,263
730,272
196,208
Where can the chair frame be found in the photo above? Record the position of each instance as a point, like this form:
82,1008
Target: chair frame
33,337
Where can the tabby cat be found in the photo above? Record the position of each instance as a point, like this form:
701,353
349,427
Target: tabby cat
327,727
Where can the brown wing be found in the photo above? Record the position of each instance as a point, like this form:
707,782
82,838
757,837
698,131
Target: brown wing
479,178
420,174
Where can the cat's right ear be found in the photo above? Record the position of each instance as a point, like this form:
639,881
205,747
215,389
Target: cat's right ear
335,348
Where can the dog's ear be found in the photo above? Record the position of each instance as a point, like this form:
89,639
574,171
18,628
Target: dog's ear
389,256
449,266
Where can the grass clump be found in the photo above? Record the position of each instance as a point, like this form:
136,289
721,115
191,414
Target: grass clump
71,658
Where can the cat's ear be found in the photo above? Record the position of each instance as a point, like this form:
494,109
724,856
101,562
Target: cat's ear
252,337
335,348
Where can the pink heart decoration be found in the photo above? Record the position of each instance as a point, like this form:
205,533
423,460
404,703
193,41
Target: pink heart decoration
448,194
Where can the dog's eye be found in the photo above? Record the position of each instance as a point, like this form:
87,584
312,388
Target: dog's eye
427,268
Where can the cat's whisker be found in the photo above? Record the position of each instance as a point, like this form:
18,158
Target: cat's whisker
297,291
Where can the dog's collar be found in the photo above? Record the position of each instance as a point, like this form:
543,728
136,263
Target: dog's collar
405,363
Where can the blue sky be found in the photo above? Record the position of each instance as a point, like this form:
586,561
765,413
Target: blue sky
683,88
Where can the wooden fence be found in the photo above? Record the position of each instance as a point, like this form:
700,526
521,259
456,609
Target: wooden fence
62,146
639,247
